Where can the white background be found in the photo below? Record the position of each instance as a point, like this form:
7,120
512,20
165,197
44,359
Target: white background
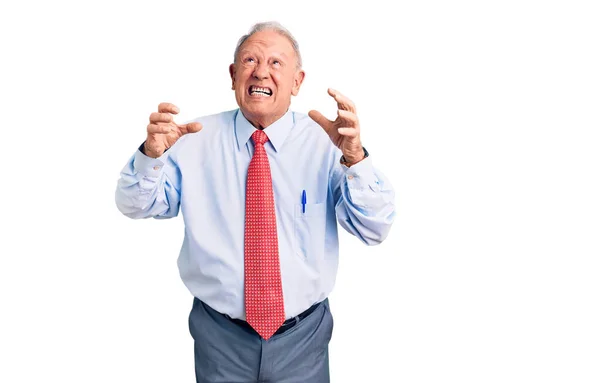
483,114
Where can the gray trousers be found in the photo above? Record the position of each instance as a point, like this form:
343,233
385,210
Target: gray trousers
224,351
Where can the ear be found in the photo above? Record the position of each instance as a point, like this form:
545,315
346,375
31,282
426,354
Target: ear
298,78
232,74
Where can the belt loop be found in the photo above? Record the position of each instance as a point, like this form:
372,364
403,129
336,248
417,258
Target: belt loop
297,319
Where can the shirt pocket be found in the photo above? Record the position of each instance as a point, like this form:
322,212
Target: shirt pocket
309,230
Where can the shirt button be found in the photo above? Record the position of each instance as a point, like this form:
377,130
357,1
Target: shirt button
350,177
156,167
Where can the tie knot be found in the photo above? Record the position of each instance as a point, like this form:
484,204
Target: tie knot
259,137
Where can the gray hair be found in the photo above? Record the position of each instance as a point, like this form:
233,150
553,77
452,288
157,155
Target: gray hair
270,26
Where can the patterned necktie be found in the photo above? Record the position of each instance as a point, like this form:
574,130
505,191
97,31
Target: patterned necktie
262,282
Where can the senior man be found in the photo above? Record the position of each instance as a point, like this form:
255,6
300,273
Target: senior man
261,190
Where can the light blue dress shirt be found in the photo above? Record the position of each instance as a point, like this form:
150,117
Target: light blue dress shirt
204,175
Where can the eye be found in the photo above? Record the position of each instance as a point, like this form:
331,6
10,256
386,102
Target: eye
249,60
276,62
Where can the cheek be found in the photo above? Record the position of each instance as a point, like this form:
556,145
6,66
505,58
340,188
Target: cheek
279,80
242,76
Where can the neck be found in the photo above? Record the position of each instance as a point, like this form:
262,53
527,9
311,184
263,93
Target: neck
262,122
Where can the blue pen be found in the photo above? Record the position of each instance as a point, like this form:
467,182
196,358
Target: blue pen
303,201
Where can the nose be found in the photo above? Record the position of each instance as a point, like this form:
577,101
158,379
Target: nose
261,71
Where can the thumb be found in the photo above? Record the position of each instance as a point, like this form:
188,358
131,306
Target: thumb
320,119
192,127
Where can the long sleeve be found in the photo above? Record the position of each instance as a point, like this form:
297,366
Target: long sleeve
149,187
364,201
204,176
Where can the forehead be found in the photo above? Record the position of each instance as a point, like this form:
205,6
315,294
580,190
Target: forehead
269,41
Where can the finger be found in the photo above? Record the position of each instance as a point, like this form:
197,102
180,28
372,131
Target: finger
320,119
348,132
343,102
349,117
161,117
167,107
192,127
158,129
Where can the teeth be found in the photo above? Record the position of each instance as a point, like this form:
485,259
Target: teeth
259,90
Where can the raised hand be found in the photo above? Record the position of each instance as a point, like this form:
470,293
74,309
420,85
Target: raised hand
345,130
163,132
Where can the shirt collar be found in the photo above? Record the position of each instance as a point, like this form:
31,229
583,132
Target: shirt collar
277,131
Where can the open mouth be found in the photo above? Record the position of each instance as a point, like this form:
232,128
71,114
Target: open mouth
259,91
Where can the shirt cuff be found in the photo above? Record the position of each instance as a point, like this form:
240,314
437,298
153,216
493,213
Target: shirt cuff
361,175
148,166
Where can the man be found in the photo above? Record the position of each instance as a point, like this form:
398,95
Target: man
260,189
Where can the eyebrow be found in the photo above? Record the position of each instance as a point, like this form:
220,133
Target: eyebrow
279,55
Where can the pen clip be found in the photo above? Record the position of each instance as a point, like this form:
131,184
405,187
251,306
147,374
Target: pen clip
303,201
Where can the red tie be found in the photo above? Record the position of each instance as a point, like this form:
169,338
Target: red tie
262,283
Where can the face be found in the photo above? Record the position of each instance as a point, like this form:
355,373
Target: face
265,77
